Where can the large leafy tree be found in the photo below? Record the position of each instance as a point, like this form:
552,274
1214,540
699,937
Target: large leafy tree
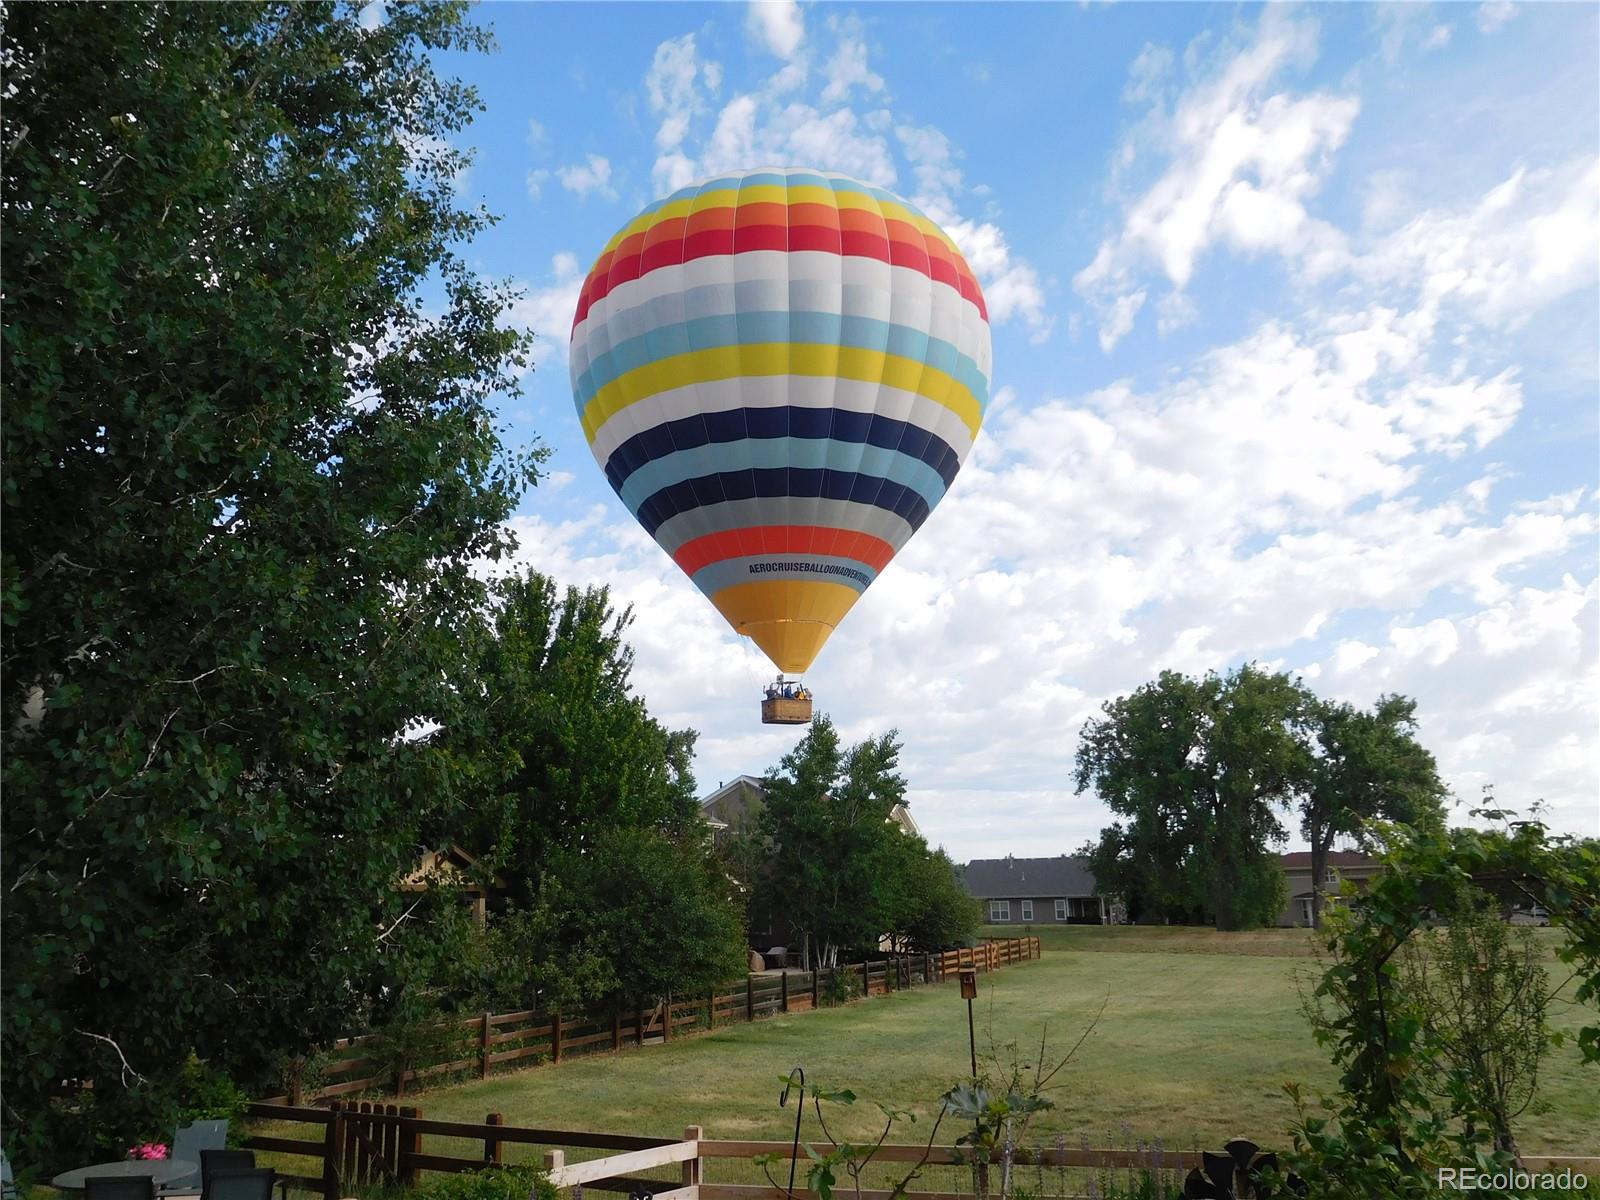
1366,764
1198,768
828,820
562,747
250,461
925,904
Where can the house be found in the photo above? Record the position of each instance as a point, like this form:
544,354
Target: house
1342,865
735,809
454,867
1039,891
737,806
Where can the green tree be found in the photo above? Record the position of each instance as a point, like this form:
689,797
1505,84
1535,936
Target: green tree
1366,764
562,747
658,909
925,904
1199,767
828,818
251,461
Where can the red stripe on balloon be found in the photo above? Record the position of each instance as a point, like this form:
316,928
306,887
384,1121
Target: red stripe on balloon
886,243
783,539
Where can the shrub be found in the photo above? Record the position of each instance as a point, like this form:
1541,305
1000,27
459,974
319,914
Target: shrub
496,1183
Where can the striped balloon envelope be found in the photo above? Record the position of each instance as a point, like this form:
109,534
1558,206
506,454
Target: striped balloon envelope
781,372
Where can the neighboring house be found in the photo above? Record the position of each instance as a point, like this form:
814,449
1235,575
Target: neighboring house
454,867
1341,865
1038,891
734,809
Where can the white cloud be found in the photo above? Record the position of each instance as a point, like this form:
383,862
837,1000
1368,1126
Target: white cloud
593,175
547,311
848,69
537,136
1493,15
1243,162
778,25
535,181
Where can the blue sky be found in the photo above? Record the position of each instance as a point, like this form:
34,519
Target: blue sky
1295,344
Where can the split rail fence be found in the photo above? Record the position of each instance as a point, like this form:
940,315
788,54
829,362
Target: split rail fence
362,1146
499,1040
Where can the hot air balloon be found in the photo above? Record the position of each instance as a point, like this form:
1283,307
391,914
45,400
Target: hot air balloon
780,372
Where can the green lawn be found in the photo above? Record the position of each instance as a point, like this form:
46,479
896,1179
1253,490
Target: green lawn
1199,1033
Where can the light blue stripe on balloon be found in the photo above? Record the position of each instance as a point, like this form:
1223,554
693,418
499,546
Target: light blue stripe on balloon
765,453
753,328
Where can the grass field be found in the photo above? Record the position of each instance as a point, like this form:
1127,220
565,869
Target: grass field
1198,1035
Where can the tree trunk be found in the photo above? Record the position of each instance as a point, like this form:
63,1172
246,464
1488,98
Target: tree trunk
1321,843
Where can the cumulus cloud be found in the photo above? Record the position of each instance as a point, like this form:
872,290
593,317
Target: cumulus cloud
592,175
1243,160
777,25
546,311
1493,15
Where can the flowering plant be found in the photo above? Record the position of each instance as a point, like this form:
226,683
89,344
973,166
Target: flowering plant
148,1150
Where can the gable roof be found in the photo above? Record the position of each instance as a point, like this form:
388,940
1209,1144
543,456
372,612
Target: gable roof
1009,877
1300,860
737,801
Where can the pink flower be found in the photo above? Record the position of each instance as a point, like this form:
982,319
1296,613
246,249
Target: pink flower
148,1150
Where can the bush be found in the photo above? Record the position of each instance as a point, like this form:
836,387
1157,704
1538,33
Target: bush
496,1183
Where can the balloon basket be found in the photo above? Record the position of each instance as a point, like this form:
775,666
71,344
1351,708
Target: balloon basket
786,710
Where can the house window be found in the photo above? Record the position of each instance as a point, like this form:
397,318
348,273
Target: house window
1027,910
999,910
1061,910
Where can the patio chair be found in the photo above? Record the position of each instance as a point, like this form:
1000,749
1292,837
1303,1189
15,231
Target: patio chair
188,1144
119,1187
8,1185
245,1184
212,1161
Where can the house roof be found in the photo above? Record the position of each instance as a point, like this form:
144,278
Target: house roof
735,802
1005,878
1300,860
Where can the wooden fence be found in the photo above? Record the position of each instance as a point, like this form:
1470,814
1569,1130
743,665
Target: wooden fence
365,1145
526,1038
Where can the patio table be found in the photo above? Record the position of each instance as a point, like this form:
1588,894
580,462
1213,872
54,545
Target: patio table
161,1170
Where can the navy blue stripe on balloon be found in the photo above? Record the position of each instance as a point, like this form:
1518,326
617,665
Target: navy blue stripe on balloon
662,506
738,424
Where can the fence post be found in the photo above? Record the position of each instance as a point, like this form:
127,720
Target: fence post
483,1048
641,1026
785,992
493,1147
554,1160
711,1007
616,1028
666,1019
816,991
749,997
555,1038
927,968
866,980
410,1146
691,1166
330,1153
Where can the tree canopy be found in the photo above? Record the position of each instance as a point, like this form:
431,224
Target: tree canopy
1201,770
839,863
251,461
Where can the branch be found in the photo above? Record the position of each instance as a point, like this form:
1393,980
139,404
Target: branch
127,1069
398,919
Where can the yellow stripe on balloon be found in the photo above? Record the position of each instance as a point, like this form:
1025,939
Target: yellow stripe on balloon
781,358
